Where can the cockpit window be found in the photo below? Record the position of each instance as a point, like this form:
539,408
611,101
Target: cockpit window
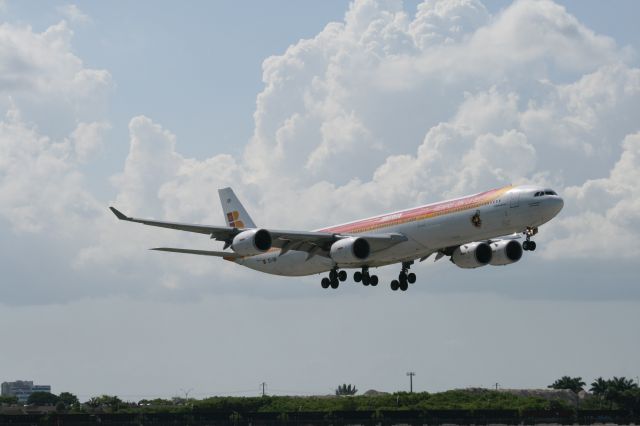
550,192
538,194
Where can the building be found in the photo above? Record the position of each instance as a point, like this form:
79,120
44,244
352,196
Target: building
22,389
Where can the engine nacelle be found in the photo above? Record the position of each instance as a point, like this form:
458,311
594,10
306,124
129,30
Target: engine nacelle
252,242
350,250
505,252
472,255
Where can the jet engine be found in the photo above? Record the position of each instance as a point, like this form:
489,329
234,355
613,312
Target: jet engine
252,242
505,252
472,255
350,250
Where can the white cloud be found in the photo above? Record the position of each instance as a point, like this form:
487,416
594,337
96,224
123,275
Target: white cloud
607,211
41,188
378,112
88,139
73,13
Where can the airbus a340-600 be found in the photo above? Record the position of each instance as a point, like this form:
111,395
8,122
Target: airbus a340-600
473,231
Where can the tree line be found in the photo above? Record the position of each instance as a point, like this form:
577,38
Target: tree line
611,394
618,392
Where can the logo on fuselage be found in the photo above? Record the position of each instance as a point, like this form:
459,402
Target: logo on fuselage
233,219
475,219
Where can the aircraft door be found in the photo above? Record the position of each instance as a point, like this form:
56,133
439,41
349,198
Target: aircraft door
514,200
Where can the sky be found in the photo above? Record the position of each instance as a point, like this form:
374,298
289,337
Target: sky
316,114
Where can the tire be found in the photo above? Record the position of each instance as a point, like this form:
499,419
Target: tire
334,284
373,280
525,246
532,245
357,276
411,278
404,286
333,275
342,275
395,285
325,282
366,280
403,279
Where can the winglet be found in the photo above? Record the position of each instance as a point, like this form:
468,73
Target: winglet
118,213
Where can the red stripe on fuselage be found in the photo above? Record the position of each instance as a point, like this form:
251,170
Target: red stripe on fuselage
418,213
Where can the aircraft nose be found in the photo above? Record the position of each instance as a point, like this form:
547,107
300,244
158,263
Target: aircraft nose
557,204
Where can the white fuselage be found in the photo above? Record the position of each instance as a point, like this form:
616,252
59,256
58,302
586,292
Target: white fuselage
427,229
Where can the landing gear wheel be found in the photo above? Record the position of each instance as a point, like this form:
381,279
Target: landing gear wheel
411,278
333,275
373,280
366,280
357,276
342,275
395,285
325,283
404,286
532,245
334,284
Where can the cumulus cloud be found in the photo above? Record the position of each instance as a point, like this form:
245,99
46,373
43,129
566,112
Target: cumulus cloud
73,13
381,111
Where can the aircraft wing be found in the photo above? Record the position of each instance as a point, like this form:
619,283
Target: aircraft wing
224,254
312,242
220,233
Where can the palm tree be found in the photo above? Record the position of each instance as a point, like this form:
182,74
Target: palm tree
346,390
600,388
575,384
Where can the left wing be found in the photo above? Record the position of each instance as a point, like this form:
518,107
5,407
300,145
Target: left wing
312,242
220,233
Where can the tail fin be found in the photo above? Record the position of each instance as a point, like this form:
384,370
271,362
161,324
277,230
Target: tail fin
234,213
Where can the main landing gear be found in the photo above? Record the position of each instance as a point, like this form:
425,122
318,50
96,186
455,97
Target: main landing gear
365,277
405,278
334,279
529,245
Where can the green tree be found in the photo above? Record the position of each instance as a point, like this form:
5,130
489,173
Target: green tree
346,390
9,400
600,388
68,399
112,402
575,384
42,398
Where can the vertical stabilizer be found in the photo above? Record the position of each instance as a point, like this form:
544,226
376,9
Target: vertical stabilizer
234,213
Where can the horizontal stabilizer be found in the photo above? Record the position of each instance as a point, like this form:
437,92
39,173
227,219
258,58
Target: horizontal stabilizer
224,254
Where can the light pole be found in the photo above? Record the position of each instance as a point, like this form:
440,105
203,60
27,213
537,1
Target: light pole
186,394
411,374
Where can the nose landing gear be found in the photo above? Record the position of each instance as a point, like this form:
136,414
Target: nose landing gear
529,245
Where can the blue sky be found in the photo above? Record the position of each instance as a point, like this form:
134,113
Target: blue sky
316,113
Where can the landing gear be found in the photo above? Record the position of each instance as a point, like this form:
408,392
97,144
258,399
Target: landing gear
404,278
364,277
529,245
334,279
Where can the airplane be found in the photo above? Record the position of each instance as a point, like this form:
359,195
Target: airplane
473,231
